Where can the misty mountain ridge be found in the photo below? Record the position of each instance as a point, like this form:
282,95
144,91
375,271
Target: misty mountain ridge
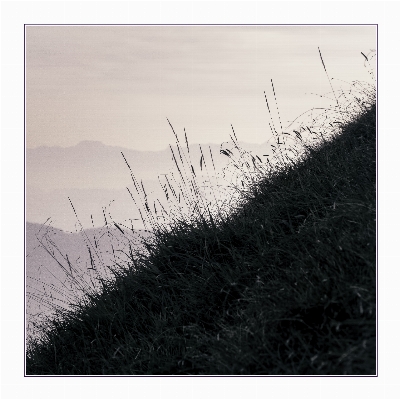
92,164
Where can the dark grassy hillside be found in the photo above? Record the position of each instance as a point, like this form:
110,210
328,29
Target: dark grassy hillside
283,285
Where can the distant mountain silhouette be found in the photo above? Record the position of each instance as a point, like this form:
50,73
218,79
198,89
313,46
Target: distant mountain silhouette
91,164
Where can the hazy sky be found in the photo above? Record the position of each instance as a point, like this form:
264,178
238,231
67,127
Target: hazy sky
118,84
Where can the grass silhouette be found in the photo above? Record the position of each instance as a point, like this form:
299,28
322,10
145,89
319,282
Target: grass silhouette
280,280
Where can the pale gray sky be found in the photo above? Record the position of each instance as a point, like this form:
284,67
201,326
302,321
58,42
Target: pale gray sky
118,84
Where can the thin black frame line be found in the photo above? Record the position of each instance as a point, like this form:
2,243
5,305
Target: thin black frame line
377,199
25,201
28,24
376,204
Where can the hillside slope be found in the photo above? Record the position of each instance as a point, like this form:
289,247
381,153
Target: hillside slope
286,284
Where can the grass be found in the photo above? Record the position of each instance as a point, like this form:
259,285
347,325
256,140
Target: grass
283,282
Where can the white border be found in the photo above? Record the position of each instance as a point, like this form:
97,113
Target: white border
15,14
